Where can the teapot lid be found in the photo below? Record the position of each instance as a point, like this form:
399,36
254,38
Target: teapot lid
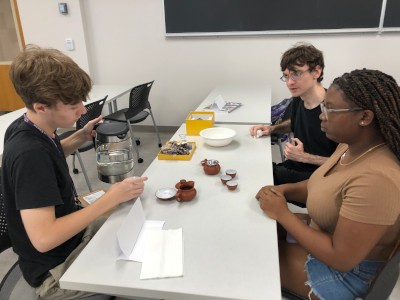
211,162
112,129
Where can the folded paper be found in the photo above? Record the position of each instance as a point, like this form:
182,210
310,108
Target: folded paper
131,236
163,256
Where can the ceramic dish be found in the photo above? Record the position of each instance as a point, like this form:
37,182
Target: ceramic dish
217,136
166,193
232,185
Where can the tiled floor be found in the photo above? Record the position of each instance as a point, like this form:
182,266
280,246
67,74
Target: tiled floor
148,149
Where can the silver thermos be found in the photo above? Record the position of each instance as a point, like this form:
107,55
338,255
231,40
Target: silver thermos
114,152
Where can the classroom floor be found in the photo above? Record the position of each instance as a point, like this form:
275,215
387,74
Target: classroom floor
148,150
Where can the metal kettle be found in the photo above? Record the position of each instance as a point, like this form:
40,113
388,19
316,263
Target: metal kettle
114,152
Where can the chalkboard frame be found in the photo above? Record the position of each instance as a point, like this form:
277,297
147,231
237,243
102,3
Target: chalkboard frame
391,21
375,25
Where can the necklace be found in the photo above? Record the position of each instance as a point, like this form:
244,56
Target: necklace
357,158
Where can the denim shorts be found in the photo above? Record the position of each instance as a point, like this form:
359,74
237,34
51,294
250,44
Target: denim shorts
329,284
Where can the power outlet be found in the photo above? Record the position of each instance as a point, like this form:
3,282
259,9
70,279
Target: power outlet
69,44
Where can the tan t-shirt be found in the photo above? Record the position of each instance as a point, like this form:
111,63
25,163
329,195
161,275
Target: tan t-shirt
366,191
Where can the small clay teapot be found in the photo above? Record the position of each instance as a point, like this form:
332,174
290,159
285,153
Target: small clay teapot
186,190
211,166
185,183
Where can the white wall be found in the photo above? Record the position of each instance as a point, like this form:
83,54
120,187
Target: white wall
126,45
43,25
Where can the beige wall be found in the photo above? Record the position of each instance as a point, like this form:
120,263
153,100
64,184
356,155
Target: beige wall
43,25
8,35
126,45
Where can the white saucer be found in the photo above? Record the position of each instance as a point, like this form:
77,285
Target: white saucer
166,193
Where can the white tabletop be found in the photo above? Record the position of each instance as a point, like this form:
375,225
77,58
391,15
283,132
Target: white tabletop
113,91
256,100
5,121
98,92
230,246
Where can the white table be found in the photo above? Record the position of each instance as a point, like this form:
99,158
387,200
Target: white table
113,91
5,121
256,100
98,92
230,246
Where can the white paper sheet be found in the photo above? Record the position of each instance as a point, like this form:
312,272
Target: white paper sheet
131,235
139,248
220,102
163,255
93,196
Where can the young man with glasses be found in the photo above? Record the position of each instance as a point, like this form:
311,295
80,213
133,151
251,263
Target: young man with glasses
302,67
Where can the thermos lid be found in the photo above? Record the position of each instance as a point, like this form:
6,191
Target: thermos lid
112,129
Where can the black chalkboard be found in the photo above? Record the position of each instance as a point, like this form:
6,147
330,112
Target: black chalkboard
392,15
213,16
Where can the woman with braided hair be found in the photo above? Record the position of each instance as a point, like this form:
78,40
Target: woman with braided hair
353,199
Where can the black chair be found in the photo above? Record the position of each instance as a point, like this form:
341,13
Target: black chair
5,241
13,284
139,109
380,289
383,285
93,111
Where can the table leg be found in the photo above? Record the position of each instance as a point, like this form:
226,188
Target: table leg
110,108
114,102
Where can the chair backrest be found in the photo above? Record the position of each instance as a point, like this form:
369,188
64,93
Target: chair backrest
93,111
139,99
386,280
5,241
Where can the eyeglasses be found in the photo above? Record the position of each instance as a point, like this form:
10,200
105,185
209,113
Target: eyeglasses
294,76
327,111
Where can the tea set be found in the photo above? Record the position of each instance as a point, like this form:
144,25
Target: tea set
185,191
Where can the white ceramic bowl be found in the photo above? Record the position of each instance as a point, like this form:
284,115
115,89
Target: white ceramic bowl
217,136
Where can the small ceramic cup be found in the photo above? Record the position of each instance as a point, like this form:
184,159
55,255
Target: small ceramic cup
232,185
231,172
225,178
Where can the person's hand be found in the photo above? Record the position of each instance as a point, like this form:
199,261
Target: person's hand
295,150
279,188
272,202
265,130
127,189
88,130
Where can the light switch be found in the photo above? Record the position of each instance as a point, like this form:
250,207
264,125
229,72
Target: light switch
69,44
63,8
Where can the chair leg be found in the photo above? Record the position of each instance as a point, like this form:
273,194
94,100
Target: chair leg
155,126
281,149
140,160
83,170
13,285
74,168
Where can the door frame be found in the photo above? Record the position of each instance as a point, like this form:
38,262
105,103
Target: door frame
10,100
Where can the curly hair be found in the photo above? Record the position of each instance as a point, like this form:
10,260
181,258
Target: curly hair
303,54
378,92
45,75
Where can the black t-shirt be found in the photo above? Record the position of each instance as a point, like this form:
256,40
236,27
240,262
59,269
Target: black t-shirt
35,174
306,126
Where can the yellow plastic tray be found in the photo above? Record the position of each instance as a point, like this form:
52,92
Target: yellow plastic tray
162,156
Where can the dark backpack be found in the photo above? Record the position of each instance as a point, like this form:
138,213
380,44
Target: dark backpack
281,111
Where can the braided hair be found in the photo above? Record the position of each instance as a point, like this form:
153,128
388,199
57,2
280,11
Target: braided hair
380,93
